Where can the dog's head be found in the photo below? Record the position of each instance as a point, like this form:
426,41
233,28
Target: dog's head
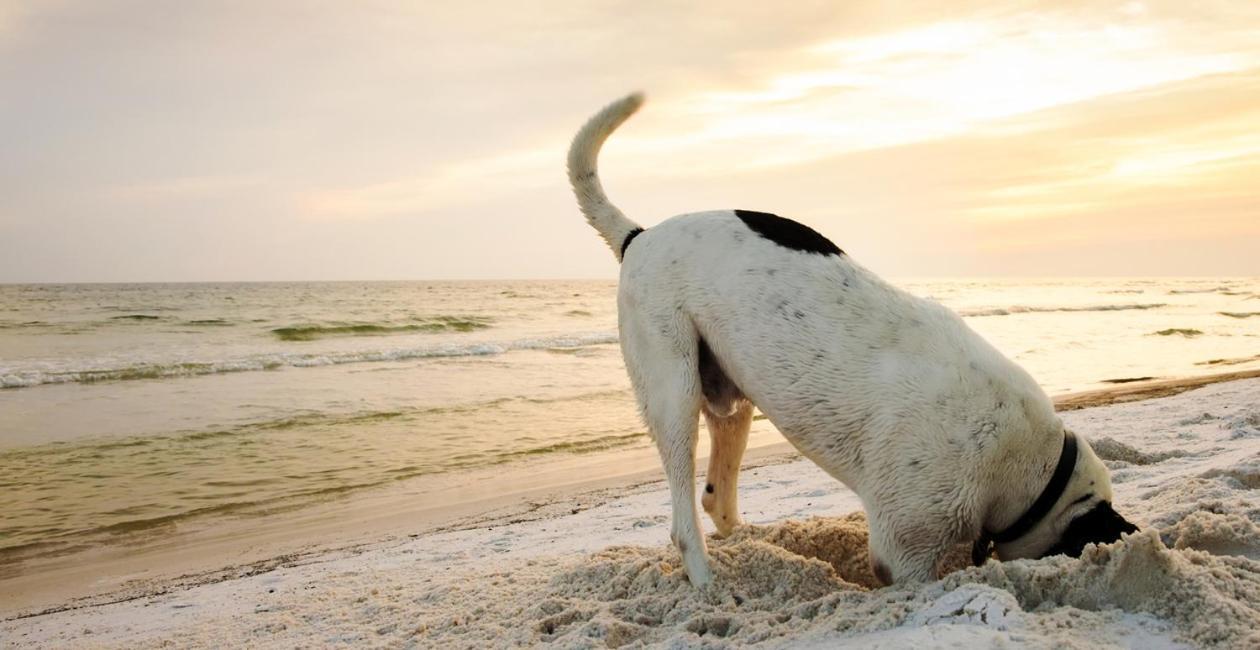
1083,515
1099,525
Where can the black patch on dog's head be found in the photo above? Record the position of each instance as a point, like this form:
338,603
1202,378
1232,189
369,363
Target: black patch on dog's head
1101,525
788,233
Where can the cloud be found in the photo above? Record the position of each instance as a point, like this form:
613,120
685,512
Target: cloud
1152,148
946,78
921,83
457,184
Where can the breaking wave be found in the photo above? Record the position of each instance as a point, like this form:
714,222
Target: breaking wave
1187,332
1020,309
4,325
1228,362
1176,292
435,324
20,378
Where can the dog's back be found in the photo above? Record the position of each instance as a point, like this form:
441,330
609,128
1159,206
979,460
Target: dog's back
786,313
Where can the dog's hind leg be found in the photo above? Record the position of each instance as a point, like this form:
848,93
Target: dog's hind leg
728,414
729,435
660,356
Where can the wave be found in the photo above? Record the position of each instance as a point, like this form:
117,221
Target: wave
436,324
1183,331
1224,290
587,446
71,326
1175,292
4,325
11,378
1020,309
1239,314
1228,362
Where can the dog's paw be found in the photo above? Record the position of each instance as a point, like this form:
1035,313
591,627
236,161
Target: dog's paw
726,525
700,575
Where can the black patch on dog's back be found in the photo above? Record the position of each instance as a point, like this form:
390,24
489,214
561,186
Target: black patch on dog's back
788,233
625,243
1101,525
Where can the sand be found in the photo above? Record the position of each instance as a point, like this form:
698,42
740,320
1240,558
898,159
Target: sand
1186,468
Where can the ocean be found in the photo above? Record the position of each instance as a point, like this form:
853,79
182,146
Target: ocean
132,409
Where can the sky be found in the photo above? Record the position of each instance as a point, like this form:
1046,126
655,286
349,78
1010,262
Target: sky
188,141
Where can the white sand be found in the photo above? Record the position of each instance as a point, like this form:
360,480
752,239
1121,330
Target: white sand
1185,468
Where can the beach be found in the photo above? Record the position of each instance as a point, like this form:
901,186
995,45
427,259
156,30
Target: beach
588,564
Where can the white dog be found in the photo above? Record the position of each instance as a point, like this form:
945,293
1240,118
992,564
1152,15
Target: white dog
943,438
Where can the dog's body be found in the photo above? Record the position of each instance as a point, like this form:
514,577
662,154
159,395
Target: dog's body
940,435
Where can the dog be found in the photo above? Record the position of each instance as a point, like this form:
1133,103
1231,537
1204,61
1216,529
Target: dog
943,439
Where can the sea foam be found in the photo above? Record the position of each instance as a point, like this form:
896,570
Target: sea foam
25,378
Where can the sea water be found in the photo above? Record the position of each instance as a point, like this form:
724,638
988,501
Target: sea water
127,408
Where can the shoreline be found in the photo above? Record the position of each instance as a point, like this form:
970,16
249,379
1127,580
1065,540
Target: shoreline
1145,389
221,551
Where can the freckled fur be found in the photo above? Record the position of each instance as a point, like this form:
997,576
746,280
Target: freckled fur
892,394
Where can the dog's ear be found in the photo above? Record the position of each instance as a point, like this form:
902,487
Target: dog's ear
1101,525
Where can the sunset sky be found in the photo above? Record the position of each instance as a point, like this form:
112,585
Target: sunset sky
178,141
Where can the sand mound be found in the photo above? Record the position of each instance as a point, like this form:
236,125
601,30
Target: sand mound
1212,600
798,581
634,593
1216,492
840,542
1216,534
1247,473
1244,425
1112,449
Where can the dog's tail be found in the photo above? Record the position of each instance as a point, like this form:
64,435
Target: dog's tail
613,226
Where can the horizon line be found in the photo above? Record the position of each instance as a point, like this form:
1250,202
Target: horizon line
614,279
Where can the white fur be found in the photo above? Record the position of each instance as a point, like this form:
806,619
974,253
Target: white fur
584,174
894,395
